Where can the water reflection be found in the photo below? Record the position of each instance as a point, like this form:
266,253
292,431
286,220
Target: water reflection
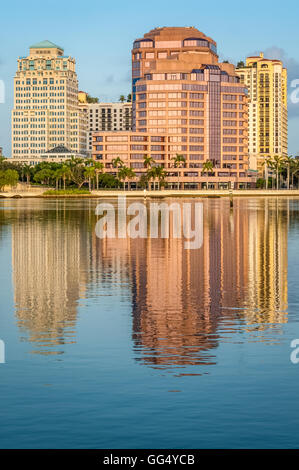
50,260
186,301
183,302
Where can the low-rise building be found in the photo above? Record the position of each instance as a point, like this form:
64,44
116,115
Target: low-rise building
59,154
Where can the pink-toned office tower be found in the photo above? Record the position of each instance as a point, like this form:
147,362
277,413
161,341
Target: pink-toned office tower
184,102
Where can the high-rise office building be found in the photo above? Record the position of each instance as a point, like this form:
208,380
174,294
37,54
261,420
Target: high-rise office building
46,113
184,102
266,81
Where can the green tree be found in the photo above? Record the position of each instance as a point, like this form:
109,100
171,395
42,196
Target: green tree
129,98
98,166
27,172
126,174
2,180
151,176
276,163
160,176
240,64
44,176
122,98
143,181
295,171
266,164
289,163
57,176
179,162
117,162
91,99
148,161
208,167
108,181
77,168
65,173
8,178
89,174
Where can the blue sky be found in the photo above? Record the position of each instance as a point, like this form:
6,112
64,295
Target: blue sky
100,34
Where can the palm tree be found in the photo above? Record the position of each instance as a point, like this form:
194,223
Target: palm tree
75,161
148,162
27,172
98,167
117,162
276,164
126,173
289,162
160,174
151,175
57,176
208,167
122,98
295,171
89,174
65,173
178,162
267,164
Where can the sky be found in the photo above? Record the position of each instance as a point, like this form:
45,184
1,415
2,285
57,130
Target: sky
99,35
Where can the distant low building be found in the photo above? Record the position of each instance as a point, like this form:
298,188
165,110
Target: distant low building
58,154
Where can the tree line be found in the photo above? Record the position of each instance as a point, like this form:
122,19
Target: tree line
285,170
78,172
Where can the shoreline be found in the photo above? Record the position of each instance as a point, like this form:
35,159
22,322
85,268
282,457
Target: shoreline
137,194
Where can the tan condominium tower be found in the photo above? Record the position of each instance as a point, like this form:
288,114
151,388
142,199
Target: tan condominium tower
46,112
266,81
185,102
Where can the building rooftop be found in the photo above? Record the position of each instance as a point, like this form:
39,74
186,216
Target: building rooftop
174,33
45,45
59,149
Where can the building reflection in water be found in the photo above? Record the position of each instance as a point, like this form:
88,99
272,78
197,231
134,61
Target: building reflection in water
50,263
183,301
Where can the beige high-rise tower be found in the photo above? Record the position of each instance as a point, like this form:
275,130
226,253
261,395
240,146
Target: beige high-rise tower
46,113
266,81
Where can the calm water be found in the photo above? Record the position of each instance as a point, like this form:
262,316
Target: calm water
141,343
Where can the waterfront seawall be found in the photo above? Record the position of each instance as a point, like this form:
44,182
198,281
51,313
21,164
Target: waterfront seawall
39,192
